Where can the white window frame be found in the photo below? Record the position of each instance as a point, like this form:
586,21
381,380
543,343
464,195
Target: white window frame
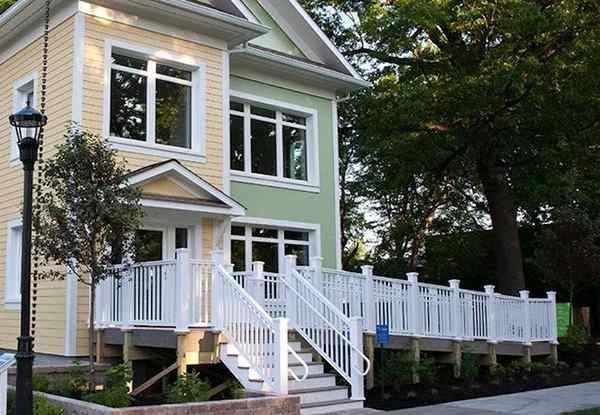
194,239
312,184
313,243
198,85
21,89
12,288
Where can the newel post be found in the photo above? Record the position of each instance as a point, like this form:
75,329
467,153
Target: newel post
183,290
127,299
290,266
491,314
316,263
524,294
218,258
369,305
413,303
280,366
356,361
455,310
257,283
553,324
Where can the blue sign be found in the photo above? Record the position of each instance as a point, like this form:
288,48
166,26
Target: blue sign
383,334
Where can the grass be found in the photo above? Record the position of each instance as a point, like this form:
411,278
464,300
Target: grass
595,411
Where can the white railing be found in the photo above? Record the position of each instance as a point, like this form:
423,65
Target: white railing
337,338
411,308
6,361
201,292
260,339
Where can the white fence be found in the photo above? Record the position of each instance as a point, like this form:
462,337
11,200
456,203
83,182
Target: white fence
6,361
412,308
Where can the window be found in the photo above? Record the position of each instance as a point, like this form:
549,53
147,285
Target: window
12,290
154,106
271,142
269,245
24,92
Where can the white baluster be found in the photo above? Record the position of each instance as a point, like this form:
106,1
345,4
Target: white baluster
455,320
291,312
369,298
524,294
491,314
316,263
218,258
256,285
127,300
280,366
356,361
553,329
183,271
413,303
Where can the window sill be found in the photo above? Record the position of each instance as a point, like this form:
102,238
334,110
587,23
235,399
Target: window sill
251,178
158,150
12,305
14,161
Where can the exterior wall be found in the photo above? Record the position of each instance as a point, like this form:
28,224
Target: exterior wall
293,205
50,309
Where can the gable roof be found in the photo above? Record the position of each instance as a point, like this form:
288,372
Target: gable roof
203,197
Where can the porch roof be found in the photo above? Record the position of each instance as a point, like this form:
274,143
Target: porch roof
169,185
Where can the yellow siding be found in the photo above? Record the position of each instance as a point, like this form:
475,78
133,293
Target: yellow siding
50,310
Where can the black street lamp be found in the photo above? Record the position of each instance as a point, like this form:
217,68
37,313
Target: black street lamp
28,124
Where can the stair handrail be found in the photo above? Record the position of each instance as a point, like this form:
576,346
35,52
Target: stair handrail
247,298
348,327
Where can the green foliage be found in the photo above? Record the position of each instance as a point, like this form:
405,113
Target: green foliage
118,376
41,383
5,4
470,367
397,369
188,388
72,385
575,340
497,373
41,406
427,370
116,388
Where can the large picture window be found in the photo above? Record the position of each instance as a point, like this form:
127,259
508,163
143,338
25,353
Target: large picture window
251,243
154,104
269,142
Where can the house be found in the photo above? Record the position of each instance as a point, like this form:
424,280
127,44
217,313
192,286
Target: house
225,112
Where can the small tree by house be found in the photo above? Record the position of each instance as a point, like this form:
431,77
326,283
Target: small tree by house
85,212
569,252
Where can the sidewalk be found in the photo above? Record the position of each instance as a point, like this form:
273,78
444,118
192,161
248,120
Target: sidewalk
551,401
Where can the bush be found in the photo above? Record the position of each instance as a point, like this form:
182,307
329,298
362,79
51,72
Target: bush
41,383
41,406
575,340
188,388
395,368
497,373
116,388
470,367
73,385
427,370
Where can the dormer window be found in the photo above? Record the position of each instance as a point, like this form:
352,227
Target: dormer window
154,104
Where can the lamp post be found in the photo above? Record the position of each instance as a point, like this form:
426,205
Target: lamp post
28,124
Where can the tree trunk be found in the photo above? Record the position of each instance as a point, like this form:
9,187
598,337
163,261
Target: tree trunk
507,246
91,334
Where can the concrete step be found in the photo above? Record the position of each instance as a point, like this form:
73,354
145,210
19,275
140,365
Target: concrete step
305,354
312,382
331,393
314,368
330,407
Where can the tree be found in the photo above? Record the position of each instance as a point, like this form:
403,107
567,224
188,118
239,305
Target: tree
5,4
499,97
86,210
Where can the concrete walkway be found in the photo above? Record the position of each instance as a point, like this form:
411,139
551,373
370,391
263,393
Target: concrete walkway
552,401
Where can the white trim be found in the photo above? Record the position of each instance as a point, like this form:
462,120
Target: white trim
312,184
239,4
71,314
197,152
226,133
19,97
12,301
336,184
78,68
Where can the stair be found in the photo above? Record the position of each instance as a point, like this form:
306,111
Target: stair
319,393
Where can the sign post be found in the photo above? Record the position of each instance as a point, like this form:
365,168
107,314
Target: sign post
382,332
6,361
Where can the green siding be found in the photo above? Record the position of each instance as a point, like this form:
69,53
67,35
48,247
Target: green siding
284,204
276,39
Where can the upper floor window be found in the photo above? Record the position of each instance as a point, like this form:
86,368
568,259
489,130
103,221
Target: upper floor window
154,105
266,141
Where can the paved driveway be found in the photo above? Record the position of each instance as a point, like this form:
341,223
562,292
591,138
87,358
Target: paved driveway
541,402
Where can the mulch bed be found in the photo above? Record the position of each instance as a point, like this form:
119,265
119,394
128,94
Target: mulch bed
582,367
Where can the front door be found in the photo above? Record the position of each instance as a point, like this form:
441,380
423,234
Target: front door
160,243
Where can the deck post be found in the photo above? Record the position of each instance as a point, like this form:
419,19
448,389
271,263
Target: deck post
415,358
524,294
413,308
356,362
183,289
257,283
290,307
491,314
218,259
370,349
553,328
280,367
369,305
316,263
455,309
127,300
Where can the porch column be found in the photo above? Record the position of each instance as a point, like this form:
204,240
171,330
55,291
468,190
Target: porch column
256,283
183,290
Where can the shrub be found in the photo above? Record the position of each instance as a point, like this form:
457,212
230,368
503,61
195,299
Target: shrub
41,383
73,385
116,388
427,370
540,368
497,373
41,406
118,377
470,367
188,388
575,340
395,368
